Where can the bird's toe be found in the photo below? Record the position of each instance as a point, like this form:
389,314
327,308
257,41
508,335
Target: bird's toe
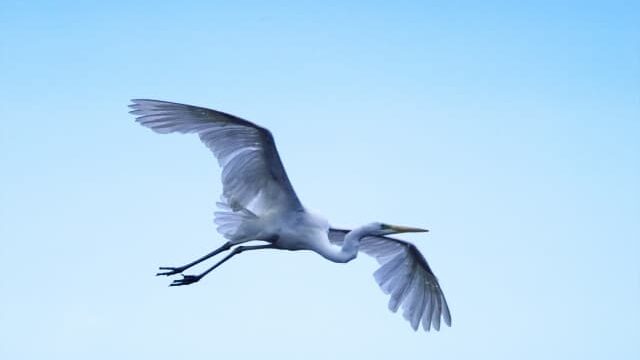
169,271
186,280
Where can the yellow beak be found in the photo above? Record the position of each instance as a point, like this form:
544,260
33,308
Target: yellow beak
406,229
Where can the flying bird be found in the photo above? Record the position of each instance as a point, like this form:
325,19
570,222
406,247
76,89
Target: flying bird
259,204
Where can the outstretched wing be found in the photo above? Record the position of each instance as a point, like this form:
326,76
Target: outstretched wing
406,276
252,172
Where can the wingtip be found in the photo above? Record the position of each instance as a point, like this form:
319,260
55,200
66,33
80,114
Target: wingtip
135,104
141,102
447,319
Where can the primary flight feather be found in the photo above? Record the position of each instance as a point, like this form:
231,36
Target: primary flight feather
259,204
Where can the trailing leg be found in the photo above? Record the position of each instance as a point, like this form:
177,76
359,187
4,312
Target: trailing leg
190,279
168,271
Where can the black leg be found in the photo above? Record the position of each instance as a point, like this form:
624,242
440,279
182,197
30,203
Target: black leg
190,279
168,271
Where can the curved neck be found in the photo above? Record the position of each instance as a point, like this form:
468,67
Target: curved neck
349,249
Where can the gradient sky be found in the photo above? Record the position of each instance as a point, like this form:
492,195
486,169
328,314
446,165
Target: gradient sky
510,130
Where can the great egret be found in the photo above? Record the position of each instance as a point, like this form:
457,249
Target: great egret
259,203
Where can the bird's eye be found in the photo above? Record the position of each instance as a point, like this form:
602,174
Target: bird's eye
384,227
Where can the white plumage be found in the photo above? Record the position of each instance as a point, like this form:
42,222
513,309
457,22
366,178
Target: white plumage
259,204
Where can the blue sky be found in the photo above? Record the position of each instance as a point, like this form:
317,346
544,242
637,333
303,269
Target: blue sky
510,130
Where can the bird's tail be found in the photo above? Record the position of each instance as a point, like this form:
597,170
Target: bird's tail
231,223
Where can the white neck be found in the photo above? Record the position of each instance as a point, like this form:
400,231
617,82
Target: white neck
349,249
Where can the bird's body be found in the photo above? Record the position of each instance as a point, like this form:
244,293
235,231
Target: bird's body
302,230
285,229
259,204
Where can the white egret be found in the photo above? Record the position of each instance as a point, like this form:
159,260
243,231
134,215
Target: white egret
259,204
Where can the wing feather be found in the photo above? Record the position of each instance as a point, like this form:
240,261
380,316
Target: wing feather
405,275
253,176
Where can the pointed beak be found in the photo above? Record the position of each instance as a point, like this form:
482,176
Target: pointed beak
405,229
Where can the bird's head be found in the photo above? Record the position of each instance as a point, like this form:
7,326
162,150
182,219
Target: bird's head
382,229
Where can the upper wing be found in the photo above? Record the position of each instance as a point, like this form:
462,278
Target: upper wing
252,172
407,277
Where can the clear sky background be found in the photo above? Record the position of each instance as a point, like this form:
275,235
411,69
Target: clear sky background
510,130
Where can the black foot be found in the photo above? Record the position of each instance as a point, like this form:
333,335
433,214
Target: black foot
186,280
169,271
